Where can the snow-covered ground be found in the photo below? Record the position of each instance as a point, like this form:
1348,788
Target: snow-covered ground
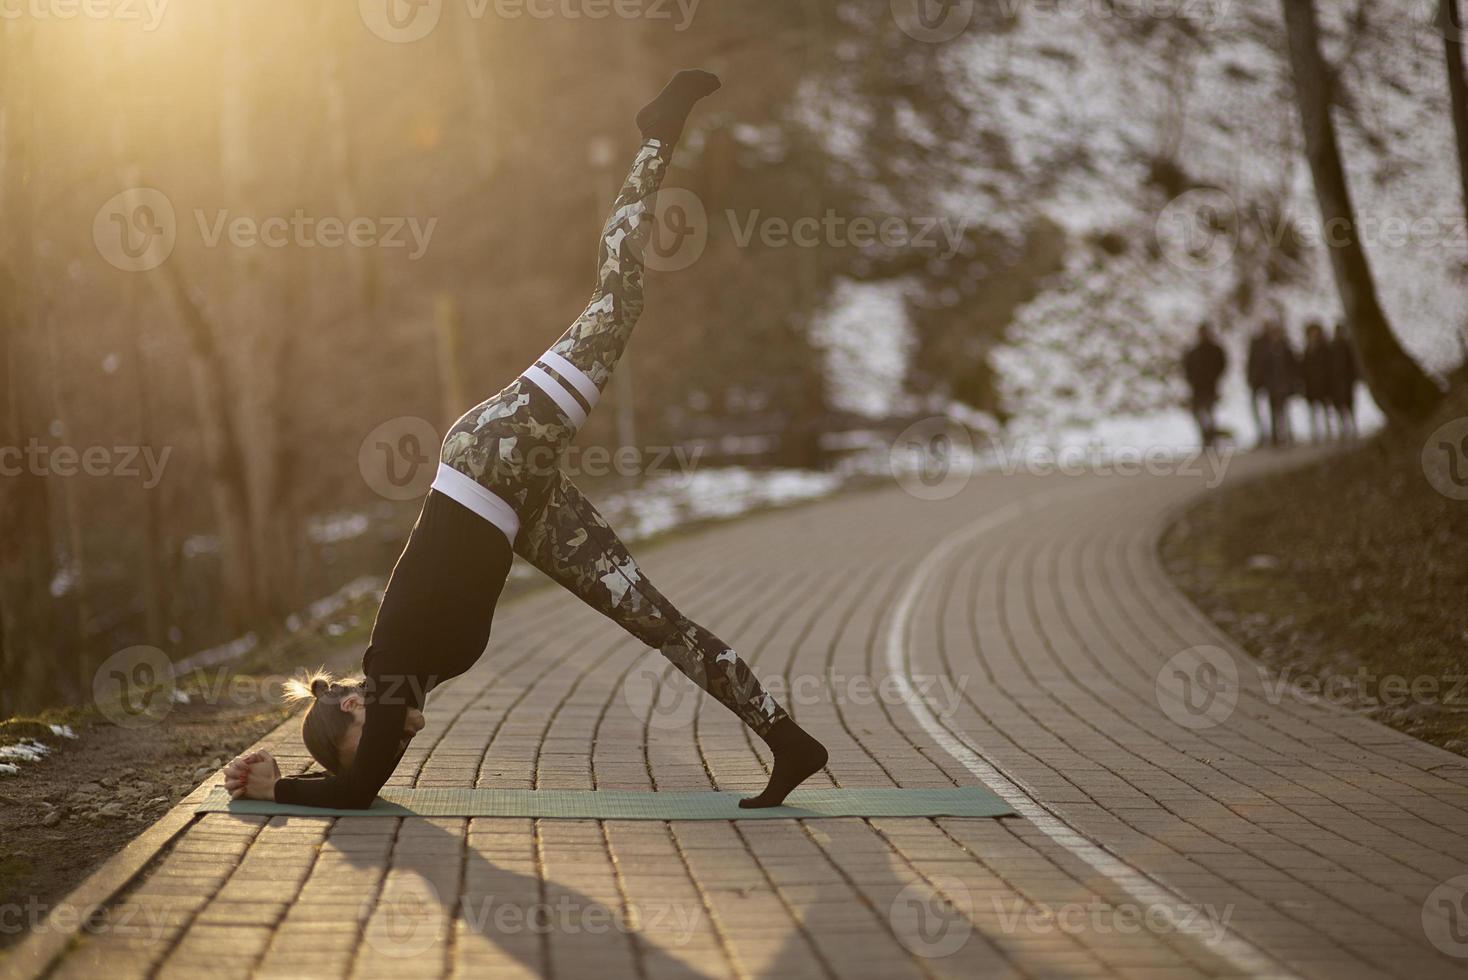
1073,113
29,750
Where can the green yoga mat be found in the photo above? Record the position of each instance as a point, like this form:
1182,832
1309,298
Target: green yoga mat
808,804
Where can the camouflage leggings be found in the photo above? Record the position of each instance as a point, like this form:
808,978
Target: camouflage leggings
512,445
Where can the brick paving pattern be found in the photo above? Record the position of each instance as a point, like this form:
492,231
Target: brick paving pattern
1309,836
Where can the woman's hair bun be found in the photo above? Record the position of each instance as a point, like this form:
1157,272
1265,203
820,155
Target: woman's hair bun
319,687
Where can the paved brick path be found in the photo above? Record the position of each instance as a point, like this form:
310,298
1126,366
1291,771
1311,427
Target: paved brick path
1260,835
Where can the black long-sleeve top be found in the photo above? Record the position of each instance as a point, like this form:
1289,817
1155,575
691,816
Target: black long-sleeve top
433,624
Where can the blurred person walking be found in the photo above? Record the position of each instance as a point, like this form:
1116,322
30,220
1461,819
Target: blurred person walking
1254,373
1316,367
1203,366
1343,374
1279,373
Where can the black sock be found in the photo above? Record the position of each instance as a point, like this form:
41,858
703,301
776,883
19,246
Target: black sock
798,756
664,116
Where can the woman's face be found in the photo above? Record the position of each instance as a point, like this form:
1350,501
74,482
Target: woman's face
352,704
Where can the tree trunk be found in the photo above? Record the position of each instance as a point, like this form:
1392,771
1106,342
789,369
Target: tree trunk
223,449
1399,385
33,654
1457,88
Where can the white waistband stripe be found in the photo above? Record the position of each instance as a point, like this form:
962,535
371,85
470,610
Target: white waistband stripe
481,500
559,395
573,374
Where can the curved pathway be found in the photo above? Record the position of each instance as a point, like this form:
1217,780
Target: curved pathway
1180,815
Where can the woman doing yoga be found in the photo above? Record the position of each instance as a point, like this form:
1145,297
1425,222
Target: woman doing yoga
499,492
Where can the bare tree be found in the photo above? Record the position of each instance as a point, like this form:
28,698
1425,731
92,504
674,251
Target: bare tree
1397,382
1450,22
30,631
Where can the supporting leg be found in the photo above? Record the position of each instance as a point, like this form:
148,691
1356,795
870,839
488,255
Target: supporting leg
572,543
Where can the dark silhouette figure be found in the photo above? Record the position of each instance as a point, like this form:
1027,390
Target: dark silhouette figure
1343,374
1203,366
1279,377
1254,371
1316,366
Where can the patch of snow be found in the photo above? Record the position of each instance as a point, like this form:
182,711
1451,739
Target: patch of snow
867,341
337,527
24,751
64,731
198,545
232,650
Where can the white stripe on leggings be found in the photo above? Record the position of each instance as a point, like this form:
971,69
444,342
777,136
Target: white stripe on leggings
480,499
559,395
573,374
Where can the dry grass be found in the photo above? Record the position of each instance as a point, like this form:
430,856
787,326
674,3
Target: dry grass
1370,585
